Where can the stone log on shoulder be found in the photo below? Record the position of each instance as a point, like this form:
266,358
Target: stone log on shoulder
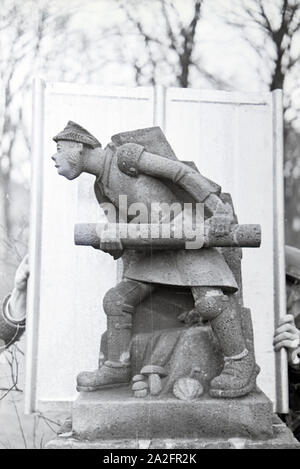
163,236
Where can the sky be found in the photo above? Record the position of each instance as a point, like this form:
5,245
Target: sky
221,48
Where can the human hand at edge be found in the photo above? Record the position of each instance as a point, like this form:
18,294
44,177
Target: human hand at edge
288,336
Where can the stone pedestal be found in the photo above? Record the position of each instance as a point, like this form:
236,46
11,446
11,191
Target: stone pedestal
116,413
114,419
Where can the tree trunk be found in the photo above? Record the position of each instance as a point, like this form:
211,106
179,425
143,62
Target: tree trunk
277,78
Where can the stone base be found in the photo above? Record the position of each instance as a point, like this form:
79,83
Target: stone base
282,439
114,419
115,413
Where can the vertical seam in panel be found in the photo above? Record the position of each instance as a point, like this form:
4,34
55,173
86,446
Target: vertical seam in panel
281,373
159,107
33,300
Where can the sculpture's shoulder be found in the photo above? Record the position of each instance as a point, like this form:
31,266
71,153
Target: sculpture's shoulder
128,156
130,145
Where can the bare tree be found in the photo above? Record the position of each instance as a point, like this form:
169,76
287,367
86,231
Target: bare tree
272,30
161,43
35,37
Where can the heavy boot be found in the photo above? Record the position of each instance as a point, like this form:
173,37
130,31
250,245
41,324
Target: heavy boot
119,305
115,371
238,376
110,374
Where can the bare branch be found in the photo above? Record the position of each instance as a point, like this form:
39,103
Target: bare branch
19,422
217,82
275,59
176,13
173,40
267,23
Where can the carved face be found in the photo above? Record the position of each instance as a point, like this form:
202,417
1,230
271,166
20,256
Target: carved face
68,159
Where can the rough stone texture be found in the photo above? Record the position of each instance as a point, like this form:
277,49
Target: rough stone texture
154,384
187,389
282,439
137,378
161,311
87,234
179,351
138,164
158,336
139,385
141,393
161,339
115,413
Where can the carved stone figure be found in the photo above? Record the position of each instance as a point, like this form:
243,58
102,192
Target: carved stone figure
141,165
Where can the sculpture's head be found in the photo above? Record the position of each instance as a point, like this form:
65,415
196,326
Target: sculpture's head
74,144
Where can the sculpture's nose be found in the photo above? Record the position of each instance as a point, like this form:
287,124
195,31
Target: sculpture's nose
53,158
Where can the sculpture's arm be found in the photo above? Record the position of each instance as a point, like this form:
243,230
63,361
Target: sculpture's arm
216,207
108,242
134,160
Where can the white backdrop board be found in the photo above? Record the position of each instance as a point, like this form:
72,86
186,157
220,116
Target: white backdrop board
234,139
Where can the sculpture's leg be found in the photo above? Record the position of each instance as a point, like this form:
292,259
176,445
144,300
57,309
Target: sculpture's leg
119,304
238,376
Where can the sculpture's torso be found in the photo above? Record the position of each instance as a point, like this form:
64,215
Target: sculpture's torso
204,267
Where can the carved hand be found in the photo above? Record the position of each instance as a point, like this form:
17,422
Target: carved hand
111,243
191,317
222,219
219,224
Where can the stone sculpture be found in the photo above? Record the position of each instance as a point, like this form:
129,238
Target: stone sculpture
142,166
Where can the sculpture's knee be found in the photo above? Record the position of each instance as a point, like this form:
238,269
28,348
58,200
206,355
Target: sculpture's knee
210,307
114,303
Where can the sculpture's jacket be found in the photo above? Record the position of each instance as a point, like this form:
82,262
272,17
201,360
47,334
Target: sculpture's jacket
160,178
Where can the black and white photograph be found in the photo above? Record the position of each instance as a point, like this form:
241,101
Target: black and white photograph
149,227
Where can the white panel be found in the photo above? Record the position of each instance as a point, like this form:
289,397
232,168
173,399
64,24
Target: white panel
66,306
230,138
